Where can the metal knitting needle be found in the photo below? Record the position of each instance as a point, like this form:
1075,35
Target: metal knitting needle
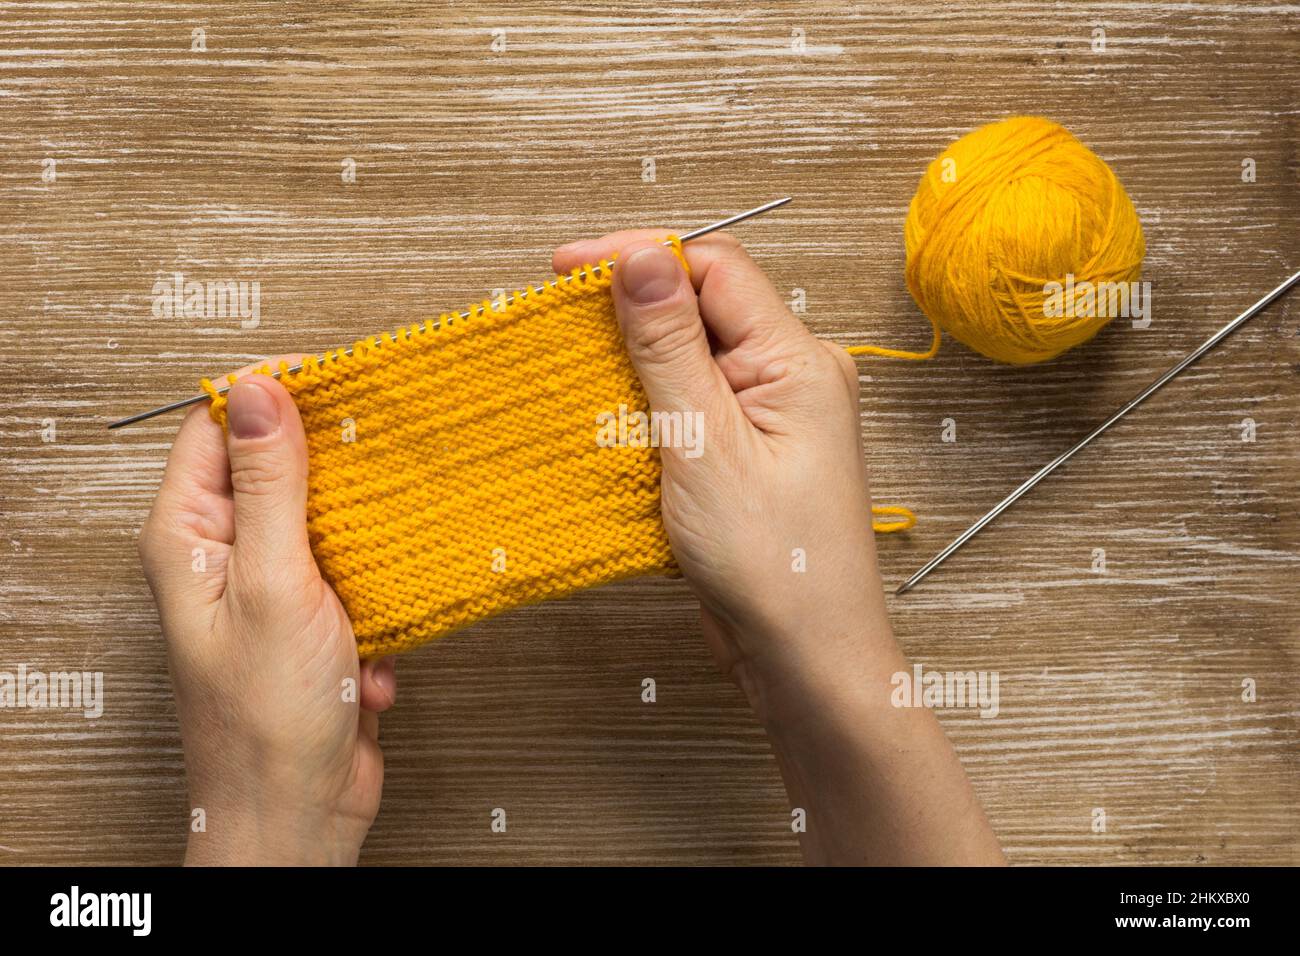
1047,469
685,237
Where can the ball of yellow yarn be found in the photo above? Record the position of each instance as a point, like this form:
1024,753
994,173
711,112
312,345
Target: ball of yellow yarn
1000,214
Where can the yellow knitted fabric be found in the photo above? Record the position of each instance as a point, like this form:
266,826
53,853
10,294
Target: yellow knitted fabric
473,481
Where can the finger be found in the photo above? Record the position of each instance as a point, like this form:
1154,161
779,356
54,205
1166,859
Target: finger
847,367
746,316
368,727
194,509
195,490
663,332
756,333
590,251
185,541
195,496
751,299
378,684
268,476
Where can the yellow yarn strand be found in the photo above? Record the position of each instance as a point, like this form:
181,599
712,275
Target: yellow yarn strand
929,353
906,519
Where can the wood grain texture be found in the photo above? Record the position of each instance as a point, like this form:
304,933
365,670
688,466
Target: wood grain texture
1119,691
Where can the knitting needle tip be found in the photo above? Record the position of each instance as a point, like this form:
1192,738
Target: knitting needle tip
732,220
684,237
1268,299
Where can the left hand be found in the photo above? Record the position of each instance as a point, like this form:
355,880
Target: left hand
278,718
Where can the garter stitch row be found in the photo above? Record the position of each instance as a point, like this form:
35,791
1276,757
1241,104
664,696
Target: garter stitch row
474,483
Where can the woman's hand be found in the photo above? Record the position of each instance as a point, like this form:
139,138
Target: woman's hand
279,720
770,522
780,484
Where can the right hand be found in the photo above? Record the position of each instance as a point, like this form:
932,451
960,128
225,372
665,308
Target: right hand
781,469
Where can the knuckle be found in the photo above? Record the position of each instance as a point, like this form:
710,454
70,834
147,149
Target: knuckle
144,540
665,339
152,545
146,547
807,370
841,363
847,366
255,473
734,269
729,269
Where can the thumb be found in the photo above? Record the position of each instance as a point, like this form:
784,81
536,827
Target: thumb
268,475
662,329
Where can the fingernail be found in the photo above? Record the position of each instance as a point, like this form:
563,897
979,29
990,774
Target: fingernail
571,247
385,675
650,275
252,411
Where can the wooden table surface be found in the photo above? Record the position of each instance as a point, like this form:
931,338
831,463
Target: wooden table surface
476,151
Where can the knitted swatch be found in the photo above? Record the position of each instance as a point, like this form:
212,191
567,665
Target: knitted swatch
475,483
454,470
